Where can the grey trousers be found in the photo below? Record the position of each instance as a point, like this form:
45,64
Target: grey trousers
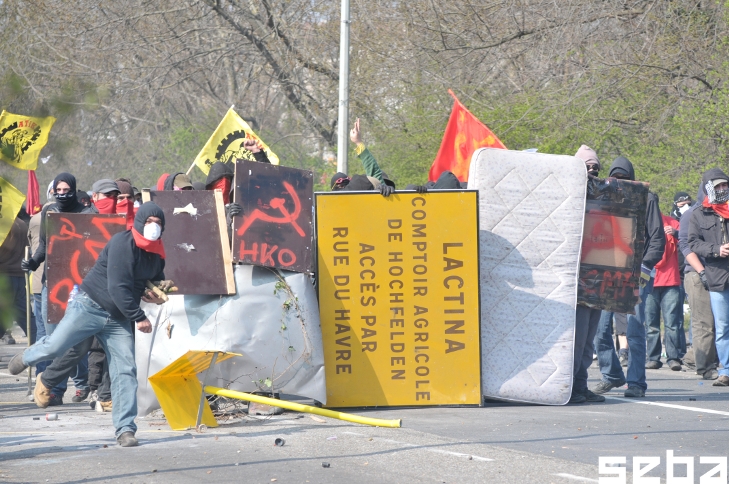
702,324
586,321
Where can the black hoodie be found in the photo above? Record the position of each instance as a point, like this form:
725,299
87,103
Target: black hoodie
684,228
447,181
655,237
218,171
73,207
707,232
170,181
118,279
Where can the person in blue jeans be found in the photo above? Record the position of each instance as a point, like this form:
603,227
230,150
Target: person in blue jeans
107,305
708,238
655,241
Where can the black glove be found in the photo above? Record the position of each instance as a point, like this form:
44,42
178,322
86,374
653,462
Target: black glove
704,280
28,265
233,209
386,190
421,188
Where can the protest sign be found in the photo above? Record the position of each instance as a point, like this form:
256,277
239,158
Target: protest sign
196,241
275,229
399,298
612,244
74,242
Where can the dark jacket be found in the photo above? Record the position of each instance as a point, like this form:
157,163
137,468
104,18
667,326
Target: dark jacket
655,237
684,229
707,232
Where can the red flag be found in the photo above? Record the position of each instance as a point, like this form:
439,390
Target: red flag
32,201
463,135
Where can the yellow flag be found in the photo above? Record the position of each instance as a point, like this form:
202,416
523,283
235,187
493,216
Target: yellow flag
11,199
226,143
22,138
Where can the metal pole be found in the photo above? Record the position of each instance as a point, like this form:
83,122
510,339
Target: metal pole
27,322
343,123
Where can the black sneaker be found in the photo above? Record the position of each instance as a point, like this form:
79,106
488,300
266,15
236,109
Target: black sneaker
127,439
55,400
653,365
634,392
577,398
605,386
674,365
592,397
80,396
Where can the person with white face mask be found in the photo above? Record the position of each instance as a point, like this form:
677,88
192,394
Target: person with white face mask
107,305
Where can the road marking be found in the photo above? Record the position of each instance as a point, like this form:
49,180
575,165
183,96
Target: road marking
437,451
575,478
670,405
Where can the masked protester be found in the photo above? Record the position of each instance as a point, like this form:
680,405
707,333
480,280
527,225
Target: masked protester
708,238
107,305
83,198
701,356
220,178
655,243
105,192
681,204
125,200
177,182
592,163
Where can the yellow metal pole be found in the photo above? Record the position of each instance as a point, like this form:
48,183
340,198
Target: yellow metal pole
297,407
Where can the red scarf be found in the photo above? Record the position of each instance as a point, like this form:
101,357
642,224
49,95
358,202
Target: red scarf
106,205
224,185
721,209
153,246
127,206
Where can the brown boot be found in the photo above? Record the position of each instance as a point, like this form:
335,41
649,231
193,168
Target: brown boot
102,407
722,381
41,393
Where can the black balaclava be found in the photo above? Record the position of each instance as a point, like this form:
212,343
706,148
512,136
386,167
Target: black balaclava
68,201
218,171
148,209
679,197
83,198
198,185
359,183
447,181
623,166
333,182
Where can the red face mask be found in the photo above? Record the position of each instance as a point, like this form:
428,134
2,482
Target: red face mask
106,205
122,206
224,185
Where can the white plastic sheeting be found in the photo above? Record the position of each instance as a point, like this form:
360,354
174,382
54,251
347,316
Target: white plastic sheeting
531,212
275,327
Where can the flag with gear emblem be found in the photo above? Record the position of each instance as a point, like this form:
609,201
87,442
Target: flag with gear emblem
11,199
22,138
226,143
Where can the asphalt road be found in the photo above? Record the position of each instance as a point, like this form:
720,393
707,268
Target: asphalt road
496,443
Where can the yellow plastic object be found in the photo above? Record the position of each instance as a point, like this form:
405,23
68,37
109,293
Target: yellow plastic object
178,389
297,407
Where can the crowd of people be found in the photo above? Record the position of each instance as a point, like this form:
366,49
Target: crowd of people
685,256
685,259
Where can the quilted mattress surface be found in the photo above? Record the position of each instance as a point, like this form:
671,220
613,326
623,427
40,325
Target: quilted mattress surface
531,213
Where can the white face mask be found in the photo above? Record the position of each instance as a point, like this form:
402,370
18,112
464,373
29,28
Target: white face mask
136,204
682,210
152,231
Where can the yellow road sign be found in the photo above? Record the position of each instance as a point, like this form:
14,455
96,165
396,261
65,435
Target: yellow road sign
399,298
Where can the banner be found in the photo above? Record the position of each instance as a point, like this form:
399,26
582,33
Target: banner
11,199
74,242
196,244
275,228
22,138
226,143
399,298
612,245
463,135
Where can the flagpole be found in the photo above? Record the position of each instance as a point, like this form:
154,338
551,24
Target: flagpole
343,123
